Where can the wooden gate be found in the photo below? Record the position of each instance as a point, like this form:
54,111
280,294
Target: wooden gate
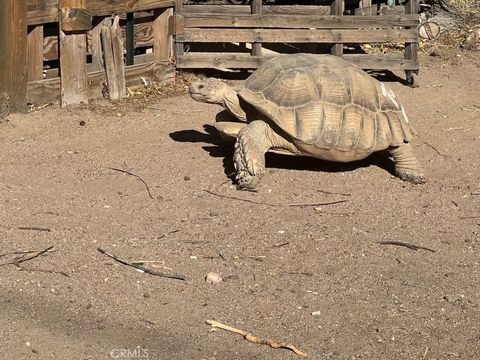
246,36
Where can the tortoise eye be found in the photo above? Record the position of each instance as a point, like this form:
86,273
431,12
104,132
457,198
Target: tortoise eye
200,86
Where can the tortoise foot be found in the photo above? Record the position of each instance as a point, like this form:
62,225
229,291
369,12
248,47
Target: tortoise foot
413,176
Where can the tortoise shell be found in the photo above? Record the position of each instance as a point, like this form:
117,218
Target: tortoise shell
327,102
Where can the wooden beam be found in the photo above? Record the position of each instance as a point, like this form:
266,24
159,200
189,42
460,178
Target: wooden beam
298,35
75,19
246,61
96,45
35,53
291,10
411,47
73,61
48,91
299,21
13,61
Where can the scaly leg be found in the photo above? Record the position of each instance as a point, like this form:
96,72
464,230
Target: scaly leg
407,166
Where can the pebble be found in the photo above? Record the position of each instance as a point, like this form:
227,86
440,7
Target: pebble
316,313
186,178
213,278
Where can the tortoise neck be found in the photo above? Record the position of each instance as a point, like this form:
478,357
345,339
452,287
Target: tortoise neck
231,103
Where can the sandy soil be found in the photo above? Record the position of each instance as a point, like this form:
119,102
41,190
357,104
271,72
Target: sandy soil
315,276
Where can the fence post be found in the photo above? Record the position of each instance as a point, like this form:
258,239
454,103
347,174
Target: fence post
256,8
411,49
162,40
74,23
13,59
336,8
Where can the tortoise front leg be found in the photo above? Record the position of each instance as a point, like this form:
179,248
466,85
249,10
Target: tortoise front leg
249,157
407,166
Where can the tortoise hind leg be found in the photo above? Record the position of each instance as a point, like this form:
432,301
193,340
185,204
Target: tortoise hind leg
407,166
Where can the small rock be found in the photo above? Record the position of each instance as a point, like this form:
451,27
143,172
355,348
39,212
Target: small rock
89,306
146,295
214,214
82,123
213,278
316,313
186,178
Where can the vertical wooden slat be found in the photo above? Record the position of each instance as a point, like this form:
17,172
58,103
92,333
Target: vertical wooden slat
336,8
35,53
73,61
411,49
162,41
96,45
13,59
256,6
112,44
179,50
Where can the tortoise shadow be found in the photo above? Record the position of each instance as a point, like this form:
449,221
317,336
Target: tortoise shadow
218,149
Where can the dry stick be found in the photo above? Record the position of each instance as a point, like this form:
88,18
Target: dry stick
470,217
142,268
409,246
21,252
269,204
21,268
333,193
135,175
256,339
33,228
16,262
435,149
167,233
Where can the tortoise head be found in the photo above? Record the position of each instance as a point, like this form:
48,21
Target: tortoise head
208,90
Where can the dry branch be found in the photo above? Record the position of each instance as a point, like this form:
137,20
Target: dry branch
21,260
407,245
256,339
142,268
134,175
275,205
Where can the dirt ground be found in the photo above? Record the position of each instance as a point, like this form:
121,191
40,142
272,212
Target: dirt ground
314,275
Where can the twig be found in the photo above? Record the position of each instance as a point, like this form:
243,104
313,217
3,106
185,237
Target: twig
19,261
470,217
407,245
142,268
275,205
333,193
22,252
21,268
134,175
256,339
435,149
167,233
33,228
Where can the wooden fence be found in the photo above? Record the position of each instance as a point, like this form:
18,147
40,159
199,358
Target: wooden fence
72,50
198,26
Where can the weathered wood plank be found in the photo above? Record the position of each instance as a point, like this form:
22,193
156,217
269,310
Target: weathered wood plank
48,91
112,46
178,24
45,11
13,61
75,19
73,62
299,21
245,61
298,35
35,53
291,10
42,11
95,45
162,40
108,7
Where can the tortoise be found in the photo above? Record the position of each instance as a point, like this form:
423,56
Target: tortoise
313,105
